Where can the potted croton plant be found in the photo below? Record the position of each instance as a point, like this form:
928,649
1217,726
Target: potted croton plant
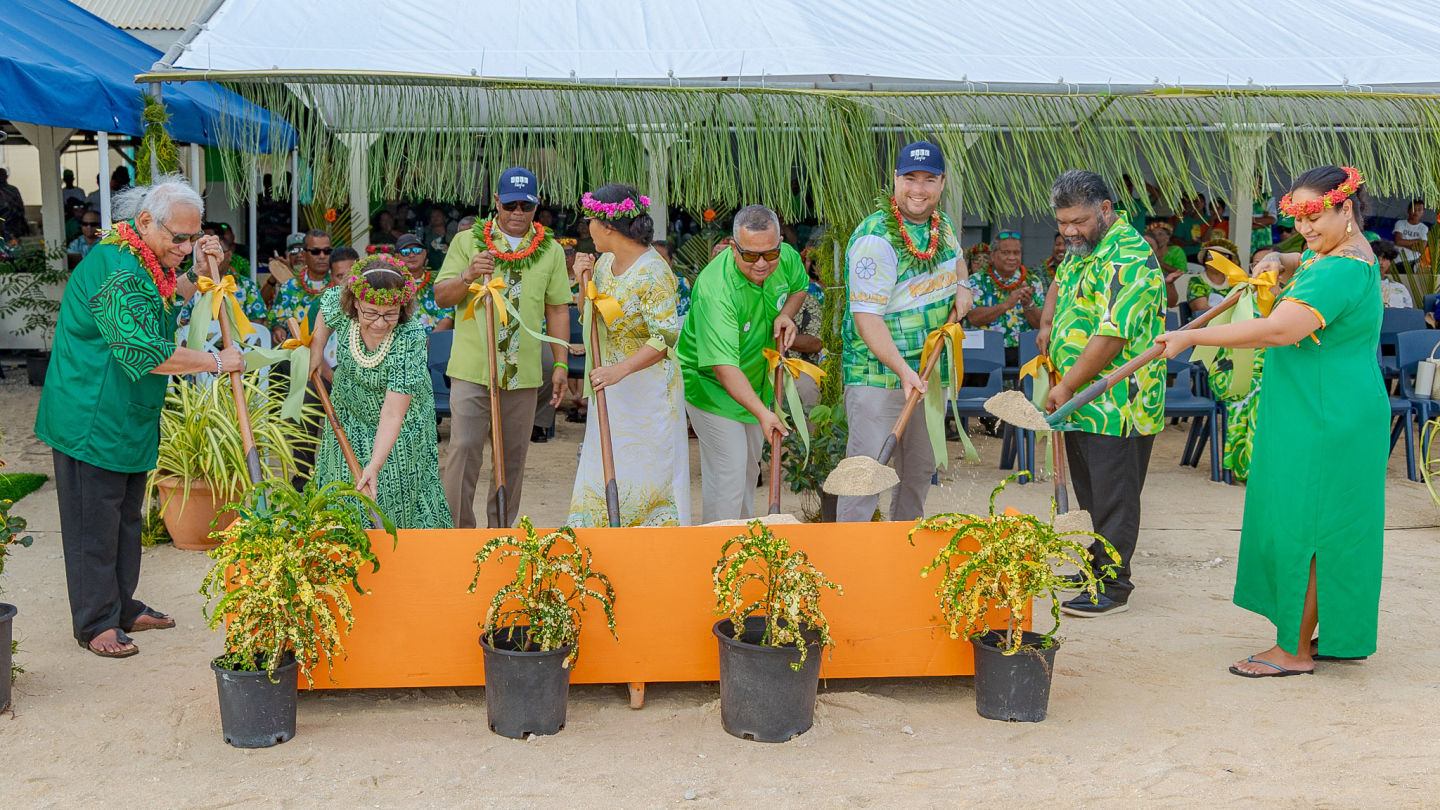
531,633
12,533
772,637
201,463
1015,564
280,583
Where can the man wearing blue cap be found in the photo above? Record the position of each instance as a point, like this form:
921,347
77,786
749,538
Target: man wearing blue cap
905,278
513,247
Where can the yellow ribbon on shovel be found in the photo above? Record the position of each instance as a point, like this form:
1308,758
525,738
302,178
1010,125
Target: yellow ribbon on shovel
493,288
794,367
948,338
1258,304
609,309
1041,368
1264,283
215,295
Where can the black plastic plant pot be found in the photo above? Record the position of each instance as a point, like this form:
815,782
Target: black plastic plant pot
7,613
254,712
761,697
36,365
1015,687
525,692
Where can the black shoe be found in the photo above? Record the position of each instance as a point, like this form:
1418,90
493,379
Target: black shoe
991,425
952,433
1087,606
1073,582
537,435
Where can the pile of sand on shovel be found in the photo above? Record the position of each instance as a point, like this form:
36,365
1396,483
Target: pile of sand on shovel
1016,409
860,476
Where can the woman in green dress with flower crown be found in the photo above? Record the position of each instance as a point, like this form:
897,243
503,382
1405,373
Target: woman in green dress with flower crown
1315,504
382,394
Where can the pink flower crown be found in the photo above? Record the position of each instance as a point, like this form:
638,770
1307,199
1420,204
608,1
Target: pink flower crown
1329,199
602,210
381,263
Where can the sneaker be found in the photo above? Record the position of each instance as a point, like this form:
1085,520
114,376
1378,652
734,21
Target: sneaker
537,435
1087,606
1073,582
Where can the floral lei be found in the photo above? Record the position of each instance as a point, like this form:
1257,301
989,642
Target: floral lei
933,246
520,258
614,210
1019,278
381,263
126,236
1328,200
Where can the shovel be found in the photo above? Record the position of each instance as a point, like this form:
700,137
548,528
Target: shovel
237,388
776,446
871,475
602,415
497,442
1013,407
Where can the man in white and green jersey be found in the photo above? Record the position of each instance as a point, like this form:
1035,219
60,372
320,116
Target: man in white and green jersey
905,278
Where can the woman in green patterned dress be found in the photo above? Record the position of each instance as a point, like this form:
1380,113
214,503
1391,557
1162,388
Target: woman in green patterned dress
382,394
1315,507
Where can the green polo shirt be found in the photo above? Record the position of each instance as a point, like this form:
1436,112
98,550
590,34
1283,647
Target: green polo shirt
1116,291
101,404
731,321
541,282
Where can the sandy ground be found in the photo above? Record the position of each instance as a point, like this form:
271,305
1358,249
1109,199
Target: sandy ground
1143,712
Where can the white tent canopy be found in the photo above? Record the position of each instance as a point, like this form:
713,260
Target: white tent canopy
1051,46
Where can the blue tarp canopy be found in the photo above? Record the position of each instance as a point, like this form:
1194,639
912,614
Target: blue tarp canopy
61,66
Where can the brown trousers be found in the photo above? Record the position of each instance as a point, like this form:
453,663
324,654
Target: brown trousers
469,432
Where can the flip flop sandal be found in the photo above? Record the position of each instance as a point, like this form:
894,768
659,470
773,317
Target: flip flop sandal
1318,657
1280,672
120,638
165,622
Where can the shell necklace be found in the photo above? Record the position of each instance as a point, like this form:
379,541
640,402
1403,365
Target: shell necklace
357,349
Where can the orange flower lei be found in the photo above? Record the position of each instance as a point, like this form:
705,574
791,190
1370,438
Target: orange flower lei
1019,278
934,242
1328,200
537,238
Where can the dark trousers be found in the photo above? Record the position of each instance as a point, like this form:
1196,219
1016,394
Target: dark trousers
1108,473
100,534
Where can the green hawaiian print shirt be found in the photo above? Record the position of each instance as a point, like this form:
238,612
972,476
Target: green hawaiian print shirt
293,302
988,294
427,312
1116,291
1200,287
247,293
913,297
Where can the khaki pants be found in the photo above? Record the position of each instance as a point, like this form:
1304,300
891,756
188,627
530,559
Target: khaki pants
469,431
871,413
729,464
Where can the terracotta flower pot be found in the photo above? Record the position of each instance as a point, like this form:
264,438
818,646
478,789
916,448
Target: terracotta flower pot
188,518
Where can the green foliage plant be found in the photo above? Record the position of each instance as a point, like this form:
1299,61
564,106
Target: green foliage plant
280,574
12,533
200,435
553,580
30,283
1014,565
789,589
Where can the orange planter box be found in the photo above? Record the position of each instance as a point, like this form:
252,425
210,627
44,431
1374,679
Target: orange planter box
418,625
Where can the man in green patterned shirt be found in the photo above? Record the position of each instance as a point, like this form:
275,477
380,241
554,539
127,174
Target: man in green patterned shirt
1105,307
904,278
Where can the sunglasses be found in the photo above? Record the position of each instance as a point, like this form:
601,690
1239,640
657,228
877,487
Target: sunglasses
519,205
1007,235
88,224
755,256
411,251
181,238
320,251
296,249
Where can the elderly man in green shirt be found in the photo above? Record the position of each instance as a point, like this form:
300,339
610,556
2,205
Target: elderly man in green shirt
744,301
1105,307
513,247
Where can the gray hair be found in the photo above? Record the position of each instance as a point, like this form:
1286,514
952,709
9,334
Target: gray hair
316,233
160,198
755,219
1079,187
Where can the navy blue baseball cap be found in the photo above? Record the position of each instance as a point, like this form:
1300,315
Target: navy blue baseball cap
518,185
921,156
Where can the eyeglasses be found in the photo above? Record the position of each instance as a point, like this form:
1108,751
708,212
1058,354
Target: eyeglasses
181,238
519,205
380,317
296,249
755,256
1008,235
89,224
320,251
411,251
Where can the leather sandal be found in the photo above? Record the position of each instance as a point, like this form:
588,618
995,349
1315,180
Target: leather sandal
120,638
163,622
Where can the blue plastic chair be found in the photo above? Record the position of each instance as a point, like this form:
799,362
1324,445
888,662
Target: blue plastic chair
1172,319
1393,321
1402,411
438,359
1412,347
1018,444
1429,303
1188,397
989,361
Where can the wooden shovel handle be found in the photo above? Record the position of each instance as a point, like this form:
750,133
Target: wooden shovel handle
888,449
497,440
602,414
237,387
340,438
776,447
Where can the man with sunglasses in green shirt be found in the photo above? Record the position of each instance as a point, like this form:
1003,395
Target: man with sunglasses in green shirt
511,246
743,302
